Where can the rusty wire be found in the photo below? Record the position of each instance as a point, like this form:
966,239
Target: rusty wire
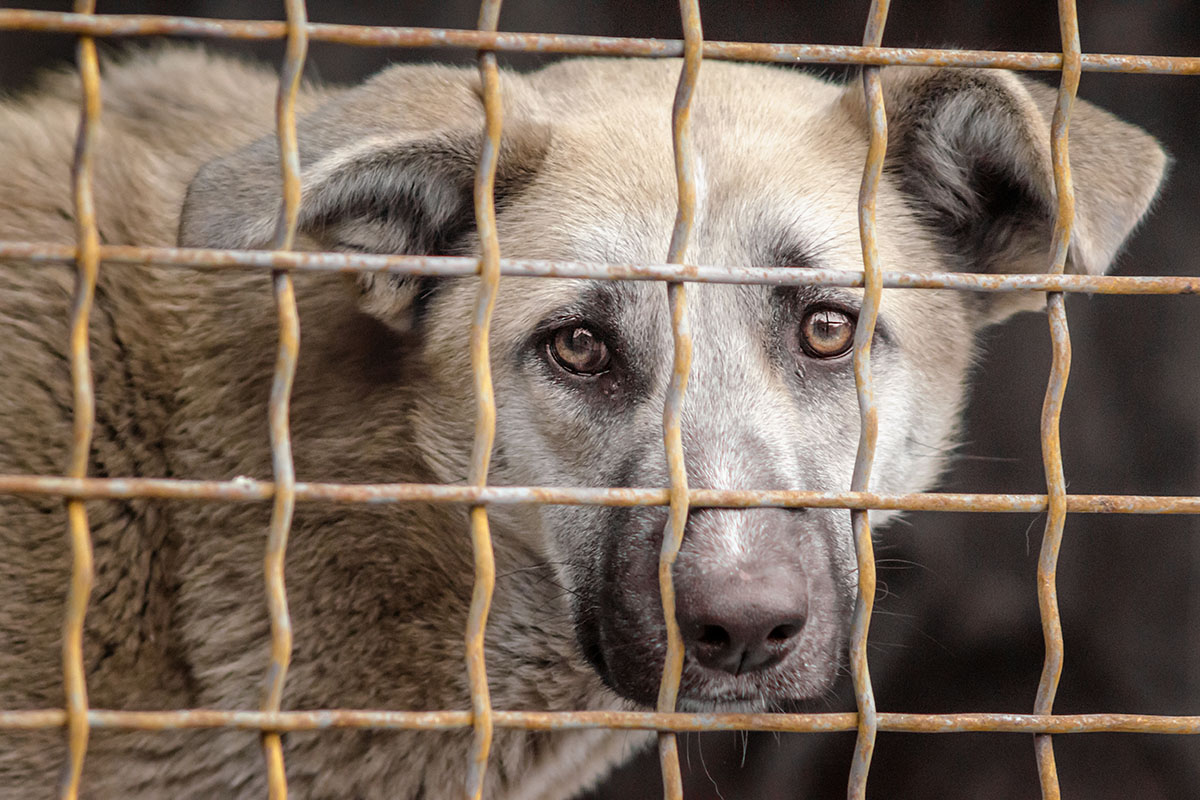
284,491
558,43
247,490
864,333
281,390
485,405
450,266
681,336
87,264
1060,367
329,719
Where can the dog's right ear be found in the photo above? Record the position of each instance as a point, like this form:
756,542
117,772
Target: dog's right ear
970,152
389,167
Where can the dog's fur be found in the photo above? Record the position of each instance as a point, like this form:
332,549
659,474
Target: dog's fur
379,593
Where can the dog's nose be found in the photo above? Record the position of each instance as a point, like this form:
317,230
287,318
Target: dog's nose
742,621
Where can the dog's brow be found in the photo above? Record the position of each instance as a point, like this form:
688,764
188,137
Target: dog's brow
606,299
783,248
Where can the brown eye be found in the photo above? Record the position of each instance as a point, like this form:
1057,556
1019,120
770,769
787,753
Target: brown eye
579,350
826,333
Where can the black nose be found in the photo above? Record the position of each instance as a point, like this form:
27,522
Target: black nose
742,621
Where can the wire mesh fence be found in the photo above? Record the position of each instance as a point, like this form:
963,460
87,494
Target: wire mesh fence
77,718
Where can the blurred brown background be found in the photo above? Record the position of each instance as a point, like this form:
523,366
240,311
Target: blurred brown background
957,628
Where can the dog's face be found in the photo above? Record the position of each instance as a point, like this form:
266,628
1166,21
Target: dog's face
581,368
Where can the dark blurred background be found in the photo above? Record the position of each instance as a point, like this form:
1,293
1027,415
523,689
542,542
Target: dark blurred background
956,626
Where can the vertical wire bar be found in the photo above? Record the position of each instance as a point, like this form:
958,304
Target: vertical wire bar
677,512
87,264
281,391
1056,388
485,405
868,723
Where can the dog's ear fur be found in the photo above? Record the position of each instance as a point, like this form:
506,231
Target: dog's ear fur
388,167
970,149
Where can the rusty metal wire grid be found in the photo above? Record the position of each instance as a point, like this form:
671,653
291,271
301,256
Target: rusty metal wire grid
77,719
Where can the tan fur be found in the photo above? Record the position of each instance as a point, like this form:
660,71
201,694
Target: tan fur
379,594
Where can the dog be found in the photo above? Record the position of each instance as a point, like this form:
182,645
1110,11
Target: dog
186,154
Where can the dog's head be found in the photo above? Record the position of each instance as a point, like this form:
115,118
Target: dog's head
582,367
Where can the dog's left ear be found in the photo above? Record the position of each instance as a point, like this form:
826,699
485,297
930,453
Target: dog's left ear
970,149
386,167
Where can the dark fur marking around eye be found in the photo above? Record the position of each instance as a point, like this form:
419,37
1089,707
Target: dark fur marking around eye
792,303
634,366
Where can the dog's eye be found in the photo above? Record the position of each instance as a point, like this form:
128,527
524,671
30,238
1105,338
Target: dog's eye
826,333
577,349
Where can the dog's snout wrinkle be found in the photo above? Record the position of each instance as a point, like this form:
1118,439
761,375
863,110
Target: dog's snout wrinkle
741,620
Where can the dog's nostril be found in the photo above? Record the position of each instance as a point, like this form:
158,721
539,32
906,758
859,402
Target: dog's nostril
781,633
713,636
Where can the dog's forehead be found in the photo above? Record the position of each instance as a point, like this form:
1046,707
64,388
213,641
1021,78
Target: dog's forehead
778,162
776,165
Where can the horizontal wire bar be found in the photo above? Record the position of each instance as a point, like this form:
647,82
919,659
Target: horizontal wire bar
452,266
554,43
251,490
614,720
